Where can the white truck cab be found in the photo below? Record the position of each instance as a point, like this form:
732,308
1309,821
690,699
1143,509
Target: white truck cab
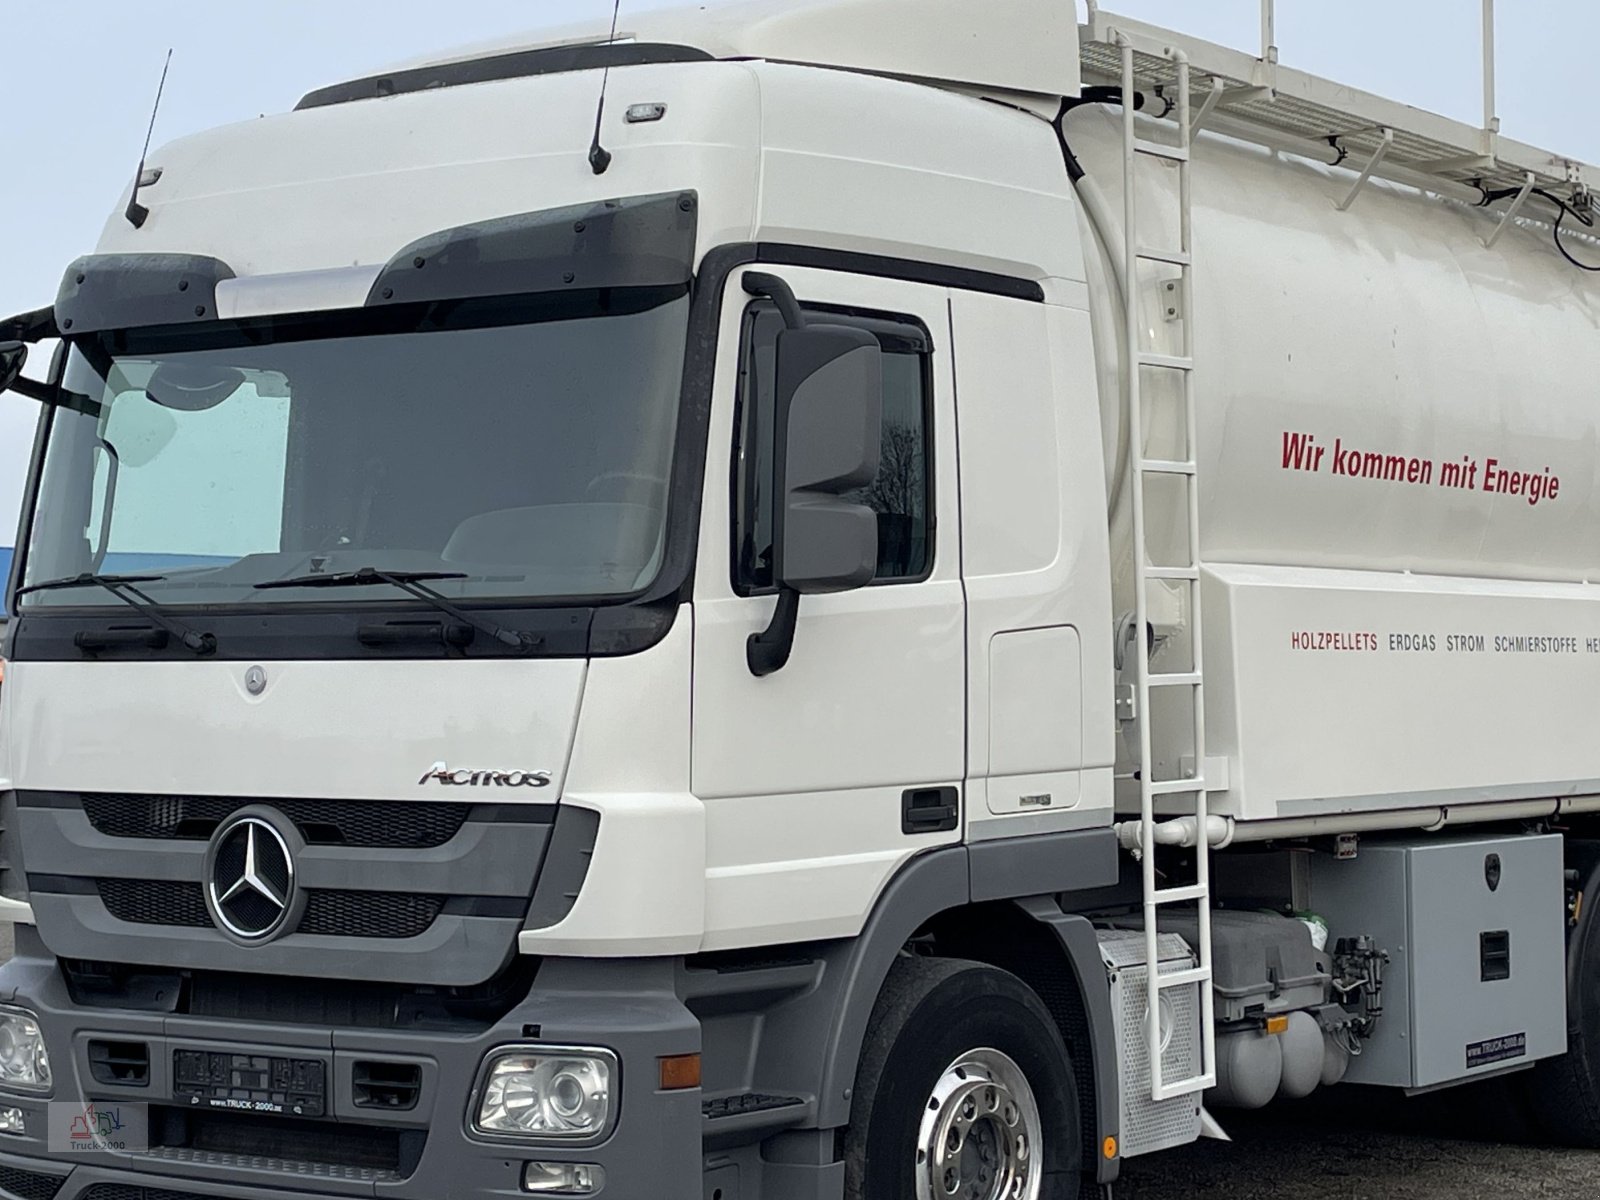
689,611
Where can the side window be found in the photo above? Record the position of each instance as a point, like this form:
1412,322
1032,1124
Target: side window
902,493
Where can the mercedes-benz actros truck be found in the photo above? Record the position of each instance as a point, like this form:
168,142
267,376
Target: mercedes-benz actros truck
834,599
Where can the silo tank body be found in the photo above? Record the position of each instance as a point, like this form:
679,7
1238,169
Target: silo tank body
1398,503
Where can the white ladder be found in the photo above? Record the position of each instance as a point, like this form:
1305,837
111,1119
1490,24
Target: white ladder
1185,576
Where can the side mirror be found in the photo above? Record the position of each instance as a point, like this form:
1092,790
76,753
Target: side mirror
13,357
828,412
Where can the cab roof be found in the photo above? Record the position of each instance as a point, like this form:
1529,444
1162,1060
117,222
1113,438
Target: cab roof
1022,49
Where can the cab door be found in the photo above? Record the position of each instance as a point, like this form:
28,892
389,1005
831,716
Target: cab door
821,779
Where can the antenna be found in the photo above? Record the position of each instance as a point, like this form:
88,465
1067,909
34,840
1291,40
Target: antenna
137,213
599,156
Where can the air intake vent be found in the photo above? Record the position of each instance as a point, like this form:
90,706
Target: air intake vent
29,1185
413,825
392,1086
328,913
125,1064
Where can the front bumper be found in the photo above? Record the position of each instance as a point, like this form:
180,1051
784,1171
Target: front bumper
425,1152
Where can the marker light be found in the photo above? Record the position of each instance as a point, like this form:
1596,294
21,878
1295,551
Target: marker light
680,1072
548,1094
12,1120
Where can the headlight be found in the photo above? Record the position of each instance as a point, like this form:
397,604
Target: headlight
548,1093
24,1064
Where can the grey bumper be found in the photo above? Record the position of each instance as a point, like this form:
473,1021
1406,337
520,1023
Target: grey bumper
628,1007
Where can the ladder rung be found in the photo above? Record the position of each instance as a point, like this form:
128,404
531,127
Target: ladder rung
1187,1087
1177,258
1161,150
1172,979
1189,573
1176,679
1179,895
1172,362
1166,466
1176,787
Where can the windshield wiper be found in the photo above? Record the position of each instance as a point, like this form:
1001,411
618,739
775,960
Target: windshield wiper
411,582
124,588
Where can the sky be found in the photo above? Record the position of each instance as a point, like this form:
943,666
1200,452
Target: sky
79,79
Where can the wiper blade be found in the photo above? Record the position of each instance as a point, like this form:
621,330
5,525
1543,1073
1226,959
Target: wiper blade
411,582
125,588
365,576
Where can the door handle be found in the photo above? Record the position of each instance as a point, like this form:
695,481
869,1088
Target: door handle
930,810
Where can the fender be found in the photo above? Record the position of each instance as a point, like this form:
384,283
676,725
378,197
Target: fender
832,1017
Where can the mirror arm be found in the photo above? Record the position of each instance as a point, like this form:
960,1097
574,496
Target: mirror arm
36,326
759,283
768,650
33,390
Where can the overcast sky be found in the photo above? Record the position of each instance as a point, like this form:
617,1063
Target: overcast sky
79,79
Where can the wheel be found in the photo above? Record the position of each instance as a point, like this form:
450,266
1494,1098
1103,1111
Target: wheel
965,1092
1564,1093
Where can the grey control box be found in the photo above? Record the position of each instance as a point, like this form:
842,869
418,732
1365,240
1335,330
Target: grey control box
1475,929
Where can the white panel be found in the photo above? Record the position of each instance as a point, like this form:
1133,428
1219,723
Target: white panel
1338,691
1034,539
945,180
802,772
1035,720
645,891
362,730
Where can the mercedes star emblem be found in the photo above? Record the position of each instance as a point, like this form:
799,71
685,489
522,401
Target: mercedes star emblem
251,888
255,680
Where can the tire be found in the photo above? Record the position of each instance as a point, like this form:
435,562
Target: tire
958,1050
1563,1094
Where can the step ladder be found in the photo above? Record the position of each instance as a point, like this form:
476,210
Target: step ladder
1187,576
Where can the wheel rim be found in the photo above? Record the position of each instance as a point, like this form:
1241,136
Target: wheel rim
981,1135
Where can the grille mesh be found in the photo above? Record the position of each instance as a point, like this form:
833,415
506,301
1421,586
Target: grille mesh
369,914
155,902
129,1191
328,913
28,1185
392,824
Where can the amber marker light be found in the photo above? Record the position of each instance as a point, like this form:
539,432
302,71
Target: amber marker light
1109,1147
1277,1024
680,1072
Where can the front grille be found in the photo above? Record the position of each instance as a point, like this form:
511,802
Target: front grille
393,824
328,913
130,1191
369,914
28,1185
155,902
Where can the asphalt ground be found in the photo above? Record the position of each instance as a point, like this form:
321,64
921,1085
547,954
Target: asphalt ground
1358,1144
1353,1145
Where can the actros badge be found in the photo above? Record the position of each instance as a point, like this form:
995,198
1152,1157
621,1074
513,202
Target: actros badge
475,777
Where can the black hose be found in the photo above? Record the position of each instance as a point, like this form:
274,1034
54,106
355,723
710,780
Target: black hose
1564,210
1069,104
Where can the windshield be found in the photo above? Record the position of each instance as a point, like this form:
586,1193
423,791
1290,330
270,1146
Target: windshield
521,448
